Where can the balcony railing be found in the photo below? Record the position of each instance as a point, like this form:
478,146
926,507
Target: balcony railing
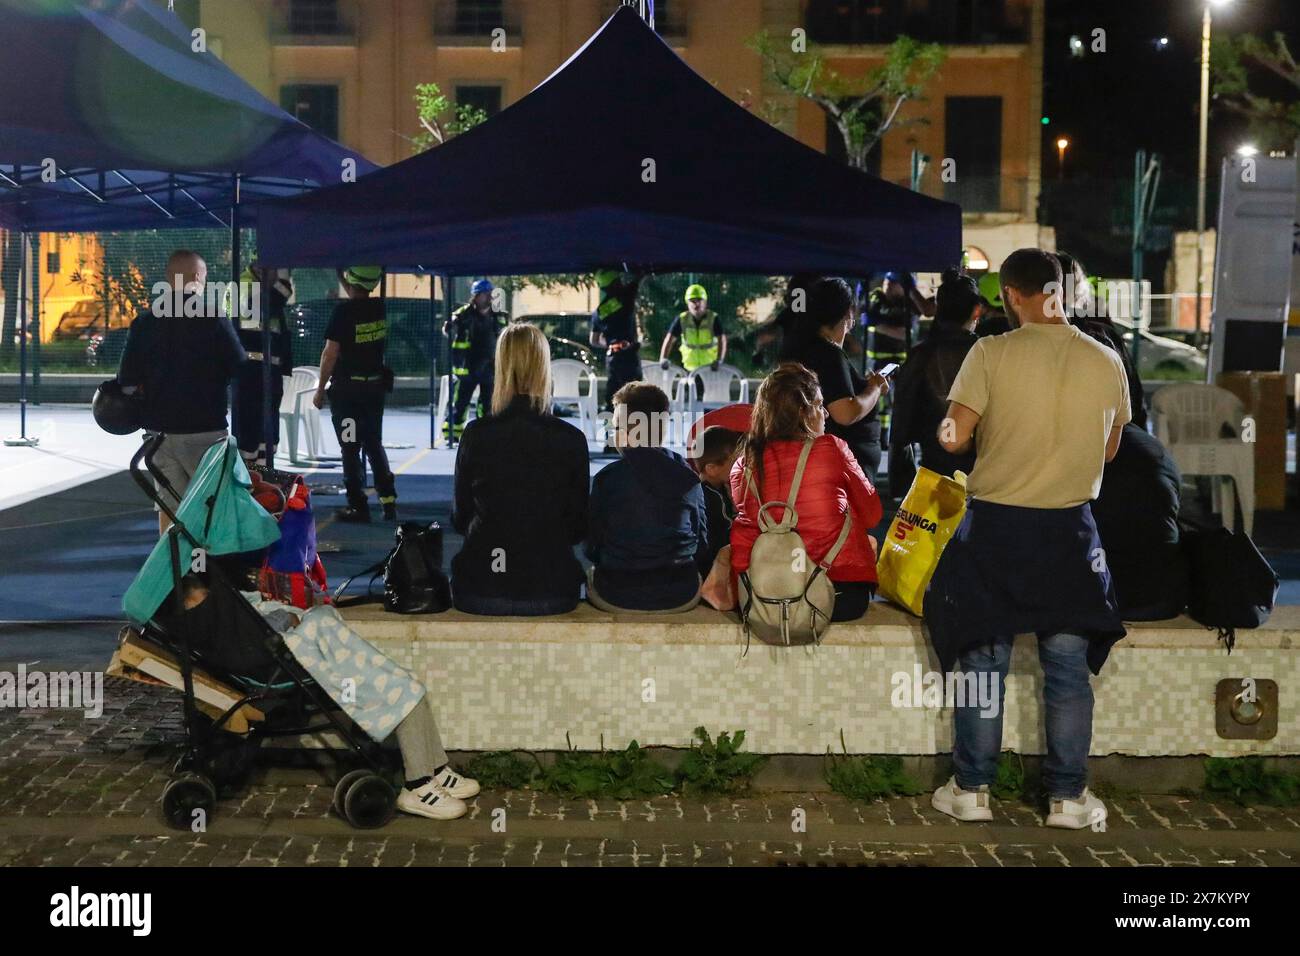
314,22
474,22
951,22
671,18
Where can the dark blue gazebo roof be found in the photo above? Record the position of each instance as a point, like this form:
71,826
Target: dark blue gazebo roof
557,183
144,132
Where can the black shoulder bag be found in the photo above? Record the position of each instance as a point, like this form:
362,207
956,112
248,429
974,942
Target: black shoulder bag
414,582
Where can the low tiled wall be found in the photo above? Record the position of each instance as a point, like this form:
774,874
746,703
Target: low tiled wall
502,683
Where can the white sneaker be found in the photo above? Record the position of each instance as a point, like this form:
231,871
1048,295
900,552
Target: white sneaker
1086,811
432,801
457,784
969,806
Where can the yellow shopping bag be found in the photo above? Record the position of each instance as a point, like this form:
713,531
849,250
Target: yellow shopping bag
925,522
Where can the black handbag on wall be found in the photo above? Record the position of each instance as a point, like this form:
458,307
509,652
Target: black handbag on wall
414,582
1232,585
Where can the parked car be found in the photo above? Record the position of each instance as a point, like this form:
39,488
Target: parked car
1161,357
86,318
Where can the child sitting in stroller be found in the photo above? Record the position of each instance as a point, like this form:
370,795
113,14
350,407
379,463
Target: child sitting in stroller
379,695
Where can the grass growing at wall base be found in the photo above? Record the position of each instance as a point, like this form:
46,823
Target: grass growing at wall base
1247,780
869,777
709,767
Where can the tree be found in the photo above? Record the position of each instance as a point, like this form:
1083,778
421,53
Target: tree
1237,63
440,118
862,109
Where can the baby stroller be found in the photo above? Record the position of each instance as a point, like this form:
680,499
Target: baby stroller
230,646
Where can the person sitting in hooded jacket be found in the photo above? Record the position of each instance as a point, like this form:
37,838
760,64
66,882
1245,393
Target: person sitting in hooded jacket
646,522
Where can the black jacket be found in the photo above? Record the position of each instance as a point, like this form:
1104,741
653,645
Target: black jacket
1137,517
719,512
646,513
184,364
521,503
920,396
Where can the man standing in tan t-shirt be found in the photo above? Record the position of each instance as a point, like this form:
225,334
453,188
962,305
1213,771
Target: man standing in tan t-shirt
1044,406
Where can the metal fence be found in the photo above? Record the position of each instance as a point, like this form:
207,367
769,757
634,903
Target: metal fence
82,292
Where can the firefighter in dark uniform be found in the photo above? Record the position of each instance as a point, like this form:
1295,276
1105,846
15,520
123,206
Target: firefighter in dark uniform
892,311
472,331
246,413
352,365
614,327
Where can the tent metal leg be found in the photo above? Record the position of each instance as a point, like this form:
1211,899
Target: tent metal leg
22,440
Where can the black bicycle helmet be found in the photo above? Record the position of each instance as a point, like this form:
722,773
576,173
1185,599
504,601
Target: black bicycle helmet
115,411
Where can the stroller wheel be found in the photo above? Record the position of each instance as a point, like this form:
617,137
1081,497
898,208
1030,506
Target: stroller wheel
370,802
341,788
184,796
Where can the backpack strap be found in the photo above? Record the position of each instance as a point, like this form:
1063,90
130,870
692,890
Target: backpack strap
790,516
834,552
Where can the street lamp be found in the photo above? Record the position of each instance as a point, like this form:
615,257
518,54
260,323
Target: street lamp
1247,151
1206,23
1062,145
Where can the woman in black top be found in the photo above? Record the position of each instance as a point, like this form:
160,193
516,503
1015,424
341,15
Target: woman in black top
850,396
520,492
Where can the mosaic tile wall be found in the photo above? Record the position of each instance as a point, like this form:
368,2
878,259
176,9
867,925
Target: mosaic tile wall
501,685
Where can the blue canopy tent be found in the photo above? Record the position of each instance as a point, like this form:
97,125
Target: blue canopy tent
624,154
110,120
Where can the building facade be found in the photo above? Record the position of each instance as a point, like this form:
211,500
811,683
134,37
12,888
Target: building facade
350,69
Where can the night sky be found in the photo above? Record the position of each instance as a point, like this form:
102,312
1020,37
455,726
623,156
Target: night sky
1134,96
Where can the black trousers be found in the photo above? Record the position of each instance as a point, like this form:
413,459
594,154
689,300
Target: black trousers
358,415
462,389
852,598
622,367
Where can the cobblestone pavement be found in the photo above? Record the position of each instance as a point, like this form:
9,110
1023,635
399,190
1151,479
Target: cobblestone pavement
85,792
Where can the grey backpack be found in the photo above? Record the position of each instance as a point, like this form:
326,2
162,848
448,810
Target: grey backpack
785,597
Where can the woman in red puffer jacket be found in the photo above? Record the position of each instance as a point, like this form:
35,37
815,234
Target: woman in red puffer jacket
787,413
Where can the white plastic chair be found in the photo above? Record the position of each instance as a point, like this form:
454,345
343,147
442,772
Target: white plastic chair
567,376
297,414
717,388
673,382
1192,421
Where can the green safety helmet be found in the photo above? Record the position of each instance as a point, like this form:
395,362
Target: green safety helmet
696,291
991,289
363,277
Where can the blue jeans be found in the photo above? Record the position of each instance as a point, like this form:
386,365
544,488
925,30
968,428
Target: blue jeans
1067,699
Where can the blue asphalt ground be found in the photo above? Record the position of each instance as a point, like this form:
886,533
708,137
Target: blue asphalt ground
67,558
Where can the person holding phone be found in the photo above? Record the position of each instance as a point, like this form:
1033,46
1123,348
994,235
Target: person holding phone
851,398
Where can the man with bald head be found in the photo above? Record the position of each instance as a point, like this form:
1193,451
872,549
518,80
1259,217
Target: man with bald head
181,355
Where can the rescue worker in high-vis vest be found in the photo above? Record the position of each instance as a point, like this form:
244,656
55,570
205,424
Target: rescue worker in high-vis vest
892,311
472,331
352,366
614,327
699,329
246,412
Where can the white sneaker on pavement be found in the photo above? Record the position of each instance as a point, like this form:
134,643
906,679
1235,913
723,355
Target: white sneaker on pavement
432,801
1077,814
969,806
457,784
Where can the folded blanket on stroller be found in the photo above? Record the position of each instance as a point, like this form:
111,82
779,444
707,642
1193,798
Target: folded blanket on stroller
371,688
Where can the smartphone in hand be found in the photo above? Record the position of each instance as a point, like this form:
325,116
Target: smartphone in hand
888,371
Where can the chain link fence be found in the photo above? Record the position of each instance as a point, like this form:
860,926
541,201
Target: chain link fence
83,291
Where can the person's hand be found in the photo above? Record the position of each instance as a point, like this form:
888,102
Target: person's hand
319,398
878,382
663,364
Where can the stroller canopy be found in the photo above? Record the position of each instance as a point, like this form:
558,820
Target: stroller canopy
220,515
